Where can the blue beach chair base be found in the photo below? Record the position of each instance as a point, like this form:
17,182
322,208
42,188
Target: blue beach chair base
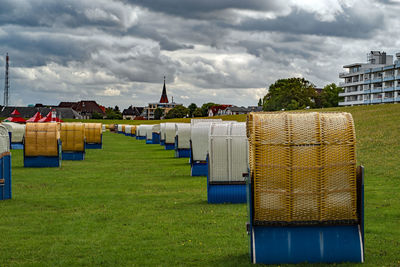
226,193
169,146
42,161
17,146
77,155
5,179
199,169
93,146
156,138
182,153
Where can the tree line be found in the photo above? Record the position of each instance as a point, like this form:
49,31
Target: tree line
284,94
298,93
181,111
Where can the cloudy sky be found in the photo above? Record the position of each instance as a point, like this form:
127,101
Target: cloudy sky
226,51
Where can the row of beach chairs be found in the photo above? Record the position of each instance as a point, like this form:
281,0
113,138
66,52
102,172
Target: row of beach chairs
296,172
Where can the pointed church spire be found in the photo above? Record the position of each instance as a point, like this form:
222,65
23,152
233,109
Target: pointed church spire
164,97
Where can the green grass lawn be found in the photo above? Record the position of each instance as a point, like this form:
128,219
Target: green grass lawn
135,204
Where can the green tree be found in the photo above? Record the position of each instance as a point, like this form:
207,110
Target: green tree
111,114
329,96
192,107
260,102
292,93
177,112
205,107
96,115
197,113
158,113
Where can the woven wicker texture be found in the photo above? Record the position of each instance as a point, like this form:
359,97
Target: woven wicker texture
128,129
73,136
228,152
156,128
93,133
4,140
170,133
17,131
303,166
194,121
41,139
162,131
133,129
148,131
182,130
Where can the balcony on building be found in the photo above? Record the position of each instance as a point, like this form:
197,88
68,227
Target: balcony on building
388,99
376,90
389,67
388,78
388,89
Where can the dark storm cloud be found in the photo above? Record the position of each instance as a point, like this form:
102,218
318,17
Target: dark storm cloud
70,14
146,68
388,2
205,8
127,46
151,33
38,49
347,24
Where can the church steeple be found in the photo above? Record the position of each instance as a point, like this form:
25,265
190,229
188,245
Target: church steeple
164,97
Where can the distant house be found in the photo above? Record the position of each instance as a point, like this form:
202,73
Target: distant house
85,108
27,112
132,113
234,110
217,110
241,110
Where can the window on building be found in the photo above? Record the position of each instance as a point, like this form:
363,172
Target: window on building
377,96
352,98
389,84
389,95
389,73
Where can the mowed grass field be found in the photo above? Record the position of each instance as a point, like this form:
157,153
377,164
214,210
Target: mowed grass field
135,204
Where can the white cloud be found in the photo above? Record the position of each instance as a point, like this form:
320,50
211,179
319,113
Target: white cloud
111,92
97,49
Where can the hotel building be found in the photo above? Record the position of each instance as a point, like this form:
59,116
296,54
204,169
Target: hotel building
374,82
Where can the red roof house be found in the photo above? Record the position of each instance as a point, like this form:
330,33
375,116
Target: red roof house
217,110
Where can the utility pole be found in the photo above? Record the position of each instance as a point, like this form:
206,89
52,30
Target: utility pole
7,83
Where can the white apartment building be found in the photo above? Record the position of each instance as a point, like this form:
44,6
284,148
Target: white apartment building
374,82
